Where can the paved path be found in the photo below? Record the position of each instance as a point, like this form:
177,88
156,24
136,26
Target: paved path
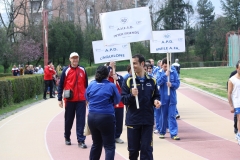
205,128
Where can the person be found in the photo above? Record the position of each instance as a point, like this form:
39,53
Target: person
15,71
169,102
48,74
119,108
102,95
149,70
74,78
129,72
235,116
40,70
140,121
152,63
177,66
157,68
234,97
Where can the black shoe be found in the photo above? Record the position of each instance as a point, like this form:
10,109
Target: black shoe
52,97
82,145
67,141
45,98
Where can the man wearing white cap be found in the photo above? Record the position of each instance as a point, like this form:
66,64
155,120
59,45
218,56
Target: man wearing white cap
73,84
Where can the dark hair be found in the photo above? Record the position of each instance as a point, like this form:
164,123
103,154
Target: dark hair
129,68
140,58
238,63
164,61
101,73
149,65
49,62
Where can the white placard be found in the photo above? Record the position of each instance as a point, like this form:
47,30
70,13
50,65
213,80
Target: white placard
104,53
171,41
126,26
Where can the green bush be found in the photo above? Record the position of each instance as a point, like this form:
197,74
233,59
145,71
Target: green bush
15,89
5,74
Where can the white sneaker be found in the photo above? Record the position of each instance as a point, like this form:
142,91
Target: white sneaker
155,132
118,140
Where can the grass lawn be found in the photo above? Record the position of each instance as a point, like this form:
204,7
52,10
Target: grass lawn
213,80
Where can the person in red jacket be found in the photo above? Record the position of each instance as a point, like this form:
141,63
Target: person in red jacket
119,108
74,78
48,74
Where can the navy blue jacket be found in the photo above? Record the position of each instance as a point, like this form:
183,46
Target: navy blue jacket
147,93
102,96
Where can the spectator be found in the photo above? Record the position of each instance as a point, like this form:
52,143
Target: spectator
129,72
177,66
74,80
40,70
48,74
119,108
15,71
102,95
140,121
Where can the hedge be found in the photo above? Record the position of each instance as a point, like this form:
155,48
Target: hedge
5,74
14,89
203,64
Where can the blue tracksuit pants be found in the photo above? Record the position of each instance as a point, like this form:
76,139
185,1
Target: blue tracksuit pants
102,127
168,119
140,139
119,121
72,108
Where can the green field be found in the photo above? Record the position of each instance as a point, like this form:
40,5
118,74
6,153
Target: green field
213,80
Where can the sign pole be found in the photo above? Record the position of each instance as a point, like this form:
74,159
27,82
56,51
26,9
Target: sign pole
133,75
168,78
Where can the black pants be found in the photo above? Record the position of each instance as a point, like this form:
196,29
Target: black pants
235,122
140,139
102,127
119,121
48,83
78,108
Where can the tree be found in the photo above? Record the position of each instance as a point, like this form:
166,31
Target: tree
206,16
231,10
173,14
27,51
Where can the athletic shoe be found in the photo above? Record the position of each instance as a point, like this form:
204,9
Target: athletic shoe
177,116
82,145
162,136
67,141
155,132
175,138
118,140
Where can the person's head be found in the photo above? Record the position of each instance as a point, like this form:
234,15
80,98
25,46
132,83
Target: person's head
101,73
145,67
138,63
74,59
14,66
159,63
149,68
176,60
147,62
238,67
164,64
129,69
49,63
151,61
39,67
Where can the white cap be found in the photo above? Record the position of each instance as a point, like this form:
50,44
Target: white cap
73,54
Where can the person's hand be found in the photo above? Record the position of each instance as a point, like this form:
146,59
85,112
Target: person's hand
157,103
112,64
115,77
167,73
169,84
60,103
134,91
232,109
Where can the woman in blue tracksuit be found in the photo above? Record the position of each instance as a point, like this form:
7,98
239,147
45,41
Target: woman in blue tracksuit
102,95
169,102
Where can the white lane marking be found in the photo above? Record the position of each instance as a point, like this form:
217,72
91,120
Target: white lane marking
45,135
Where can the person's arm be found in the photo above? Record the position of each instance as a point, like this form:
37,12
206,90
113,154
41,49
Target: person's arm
162,78
176,83
86,79
116,95
156,97
61,85
230,89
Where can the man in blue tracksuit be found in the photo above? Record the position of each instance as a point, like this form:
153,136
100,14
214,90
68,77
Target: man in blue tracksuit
140,121
169,102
